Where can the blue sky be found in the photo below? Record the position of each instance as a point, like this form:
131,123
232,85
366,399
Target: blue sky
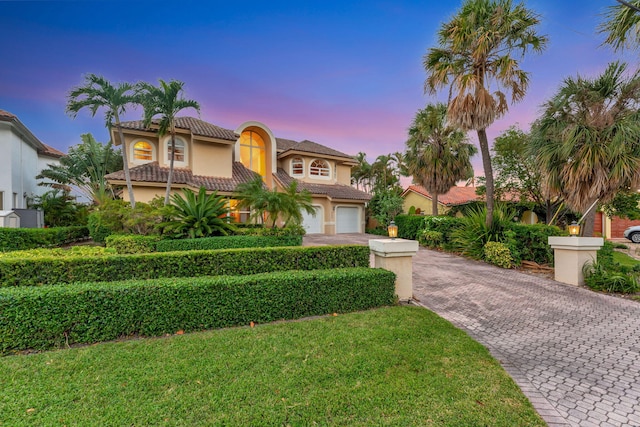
344,74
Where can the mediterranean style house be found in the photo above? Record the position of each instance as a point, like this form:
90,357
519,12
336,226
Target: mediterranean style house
219,159
24,157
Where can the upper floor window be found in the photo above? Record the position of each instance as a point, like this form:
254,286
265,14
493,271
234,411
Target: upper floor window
180,155
297,167
252,152
319,168
142,151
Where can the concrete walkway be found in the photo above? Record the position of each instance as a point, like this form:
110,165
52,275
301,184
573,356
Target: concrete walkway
574,353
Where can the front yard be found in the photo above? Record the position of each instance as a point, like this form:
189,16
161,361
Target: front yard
389,366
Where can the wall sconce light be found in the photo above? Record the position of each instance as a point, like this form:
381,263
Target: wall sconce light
393,230
574,229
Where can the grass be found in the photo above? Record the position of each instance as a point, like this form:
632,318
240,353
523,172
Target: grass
624,259
396,366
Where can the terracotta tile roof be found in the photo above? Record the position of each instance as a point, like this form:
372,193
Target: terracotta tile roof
196,126
455,196
51,152
283,144
334,191
315,148
152,172
7,116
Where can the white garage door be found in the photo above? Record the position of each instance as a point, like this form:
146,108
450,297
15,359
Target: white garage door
347,219
313,223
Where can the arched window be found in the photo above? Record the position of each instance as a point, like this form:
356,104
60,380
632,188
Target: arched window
252,152
297,166
320,168
142,152
180,156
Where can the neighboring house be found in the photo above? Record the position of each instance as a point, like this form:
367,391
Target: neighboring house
612,227
219,159
24,157
418,197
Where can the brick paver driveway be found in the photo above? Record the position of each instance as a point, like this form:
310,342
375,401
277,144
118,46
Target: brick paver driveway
573,352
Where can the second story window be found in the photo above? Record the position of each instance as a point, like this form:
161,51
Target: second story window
252,152
179,154
180,158
142,151
297,167
319,168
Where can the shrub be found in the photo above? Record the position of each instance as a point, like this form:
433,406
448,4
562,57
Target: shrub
261,230
601,277
15,239
74,251
430,239
44,317
497,253
409,226
198,215
530,242
53,271
470,238
97,230
132,243
378,231
227,242
444,225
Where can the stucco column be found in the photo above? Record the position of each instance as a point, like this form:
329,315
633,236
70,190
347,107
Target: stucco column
570,255
396,256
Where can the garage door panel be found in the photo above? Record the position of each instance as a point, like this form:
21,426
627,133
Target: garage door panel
312,223
347,219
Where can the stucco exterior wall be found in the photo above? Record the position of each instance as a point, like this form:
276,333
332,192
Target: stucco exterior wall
211,159
421,202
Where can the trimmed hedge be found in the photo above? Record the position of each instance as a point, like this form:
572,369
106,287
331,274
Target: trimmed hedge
227,242
530,242
50,316
132,243
52,271
17,239
409,226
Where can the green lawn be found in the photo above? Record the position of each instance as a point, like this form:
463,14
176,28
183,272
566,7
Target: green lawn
401,366
624,259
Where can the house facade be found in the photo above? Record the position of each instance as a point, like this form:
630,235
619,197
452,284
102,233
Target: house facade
419,198
25,156
220,159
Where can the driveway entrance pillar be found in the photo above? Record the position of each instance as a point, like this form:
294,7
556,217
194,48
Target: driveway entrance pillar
571,254
396,256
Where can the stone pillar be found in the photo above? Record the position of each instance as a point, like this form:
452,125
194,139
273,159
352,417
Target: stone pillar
396,256
570,254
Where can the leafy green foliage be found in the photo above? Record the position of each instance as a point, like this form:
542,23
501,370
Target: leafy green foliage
197,215
625,204
60,209
47,316
473,235
530,242
54,271
132,243
497,253
117,217
409,226
600,277
431,239
445,225
386,204
227,242
73,251
16,239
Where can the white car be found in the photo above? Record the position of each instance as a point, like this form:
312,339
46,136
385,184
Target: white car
633,233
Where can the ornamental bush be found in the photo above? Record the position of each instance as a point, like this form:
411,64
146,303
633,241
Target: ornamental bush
17,239
445,225
56,270
228,242
530,242
132,243
497,253
409,226
430,239
49,316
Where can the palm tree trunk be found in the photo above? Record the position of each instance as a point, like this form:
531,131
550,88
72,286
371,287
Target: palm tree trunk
125,161
434,204
589,223
488,173
170,177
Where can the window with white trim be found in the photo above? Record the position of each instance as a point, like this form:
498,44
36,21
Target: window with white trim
320,168
143,152
180,157
297,166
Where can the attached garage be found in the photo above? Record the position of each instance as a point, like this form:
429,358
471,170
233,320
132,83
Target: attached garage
348,219
313,223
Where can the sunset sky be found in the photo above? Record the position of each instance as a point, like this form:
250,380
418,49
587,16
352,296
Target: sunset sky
344,74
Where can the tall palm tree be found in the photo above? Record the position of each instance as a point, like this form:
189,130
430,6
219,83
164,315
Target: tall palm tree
622,25
438,155
84,167
97,92
588,139
165,101
476,60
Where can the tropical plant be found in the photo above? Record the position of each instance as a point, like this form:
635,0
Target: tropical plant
473,234
588,139
386,204
384,175
254,196
84,168
60,208
96,93
621,25
294,202
198,215
476,60
165,101
361,173
437,155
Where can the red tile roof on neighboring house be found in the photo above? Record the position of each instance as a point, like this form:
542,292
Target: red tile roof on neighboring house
51,152
333,191
455,196
196,126
7,116
152,172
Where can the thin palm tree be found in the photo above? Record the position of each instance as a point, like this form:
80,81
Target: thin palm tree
438,154
476,60
296,201
97,92
361,172
621,25
165,101
587,142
